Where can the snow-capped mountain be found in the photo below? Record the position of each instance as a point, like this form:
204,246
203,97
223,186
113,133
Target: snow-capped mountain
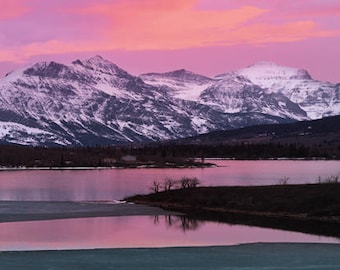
95,102
264,87
317,99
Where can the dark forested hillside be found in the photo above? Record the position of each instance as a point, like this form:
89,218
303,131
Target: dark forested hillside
310,139
318,131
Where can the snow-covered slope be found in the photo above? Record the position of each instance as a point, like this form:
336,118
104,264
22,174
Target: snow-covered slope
180,84
270,73
234,94
317,99
265,87
95,102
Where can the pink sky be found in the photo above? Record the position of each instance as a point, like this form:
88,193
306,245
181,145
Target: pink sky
204,36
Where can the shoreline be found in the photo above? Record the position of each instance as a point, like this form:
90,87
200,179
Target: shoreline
154,166
130,166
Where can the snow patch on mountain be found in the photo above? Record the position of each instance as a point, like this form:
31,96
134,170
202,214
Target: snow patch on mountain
181,84
24,135
270,73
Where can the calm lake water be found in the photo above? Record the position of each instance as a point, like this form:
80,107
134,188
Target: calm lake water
138,231
145,231
115,184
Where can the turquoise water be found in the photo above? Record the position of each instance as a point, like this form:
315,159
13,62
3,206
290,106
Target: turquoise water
245,257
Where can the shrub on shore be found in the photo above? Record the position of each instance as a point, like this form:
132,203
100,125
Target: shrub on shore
169,184
333,179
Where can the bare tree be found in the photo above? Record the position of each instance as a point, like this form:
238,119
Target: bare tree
155,186
184,182
187,182
194,182
169,184
284,180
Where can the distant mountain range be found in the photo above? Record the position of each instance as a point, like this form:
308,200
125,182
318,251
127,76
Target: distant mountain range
95,102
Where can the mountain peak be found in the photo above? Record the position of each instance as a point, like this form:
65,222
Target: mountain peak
265,64
99,64
174,73
180,74
265,71
97,59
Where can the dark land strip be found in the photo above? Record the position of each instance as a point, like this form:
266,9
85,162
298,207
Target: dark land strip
308,208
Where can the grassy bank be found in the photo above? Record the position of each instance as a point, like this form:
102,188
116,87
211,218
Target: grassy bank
313,208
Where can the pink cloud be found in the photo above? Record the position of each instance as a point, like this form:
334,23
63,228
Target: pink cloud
260,34
155,25
45,29
159,25
176,29
12,9
139,25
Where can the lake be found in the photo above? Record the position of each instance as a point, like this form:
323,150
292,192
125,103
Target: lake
145,231
137,232
115,184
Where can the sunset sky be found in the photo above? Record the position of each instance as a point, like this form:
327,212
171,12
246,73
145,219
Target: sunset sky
204,36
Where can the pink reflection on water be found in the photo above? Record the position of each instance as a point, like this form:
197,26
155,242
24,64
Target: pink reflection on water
146,231
115,184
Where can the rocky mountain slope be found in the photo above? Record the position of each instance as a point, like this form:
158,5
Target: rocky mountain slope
95,102
264,87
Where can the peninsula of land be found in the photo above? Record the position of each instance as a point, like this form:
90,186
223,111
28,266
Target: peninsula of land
313,208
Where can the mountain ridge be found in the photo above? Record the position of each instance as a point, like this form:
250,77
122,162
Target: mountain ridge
93,101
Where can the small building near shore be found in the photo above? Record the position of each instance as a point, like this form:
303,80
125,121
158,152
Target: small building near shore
128,158
109,161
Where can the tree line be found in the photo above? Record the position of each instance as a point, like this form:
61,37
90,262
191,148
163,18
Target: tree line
162,154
